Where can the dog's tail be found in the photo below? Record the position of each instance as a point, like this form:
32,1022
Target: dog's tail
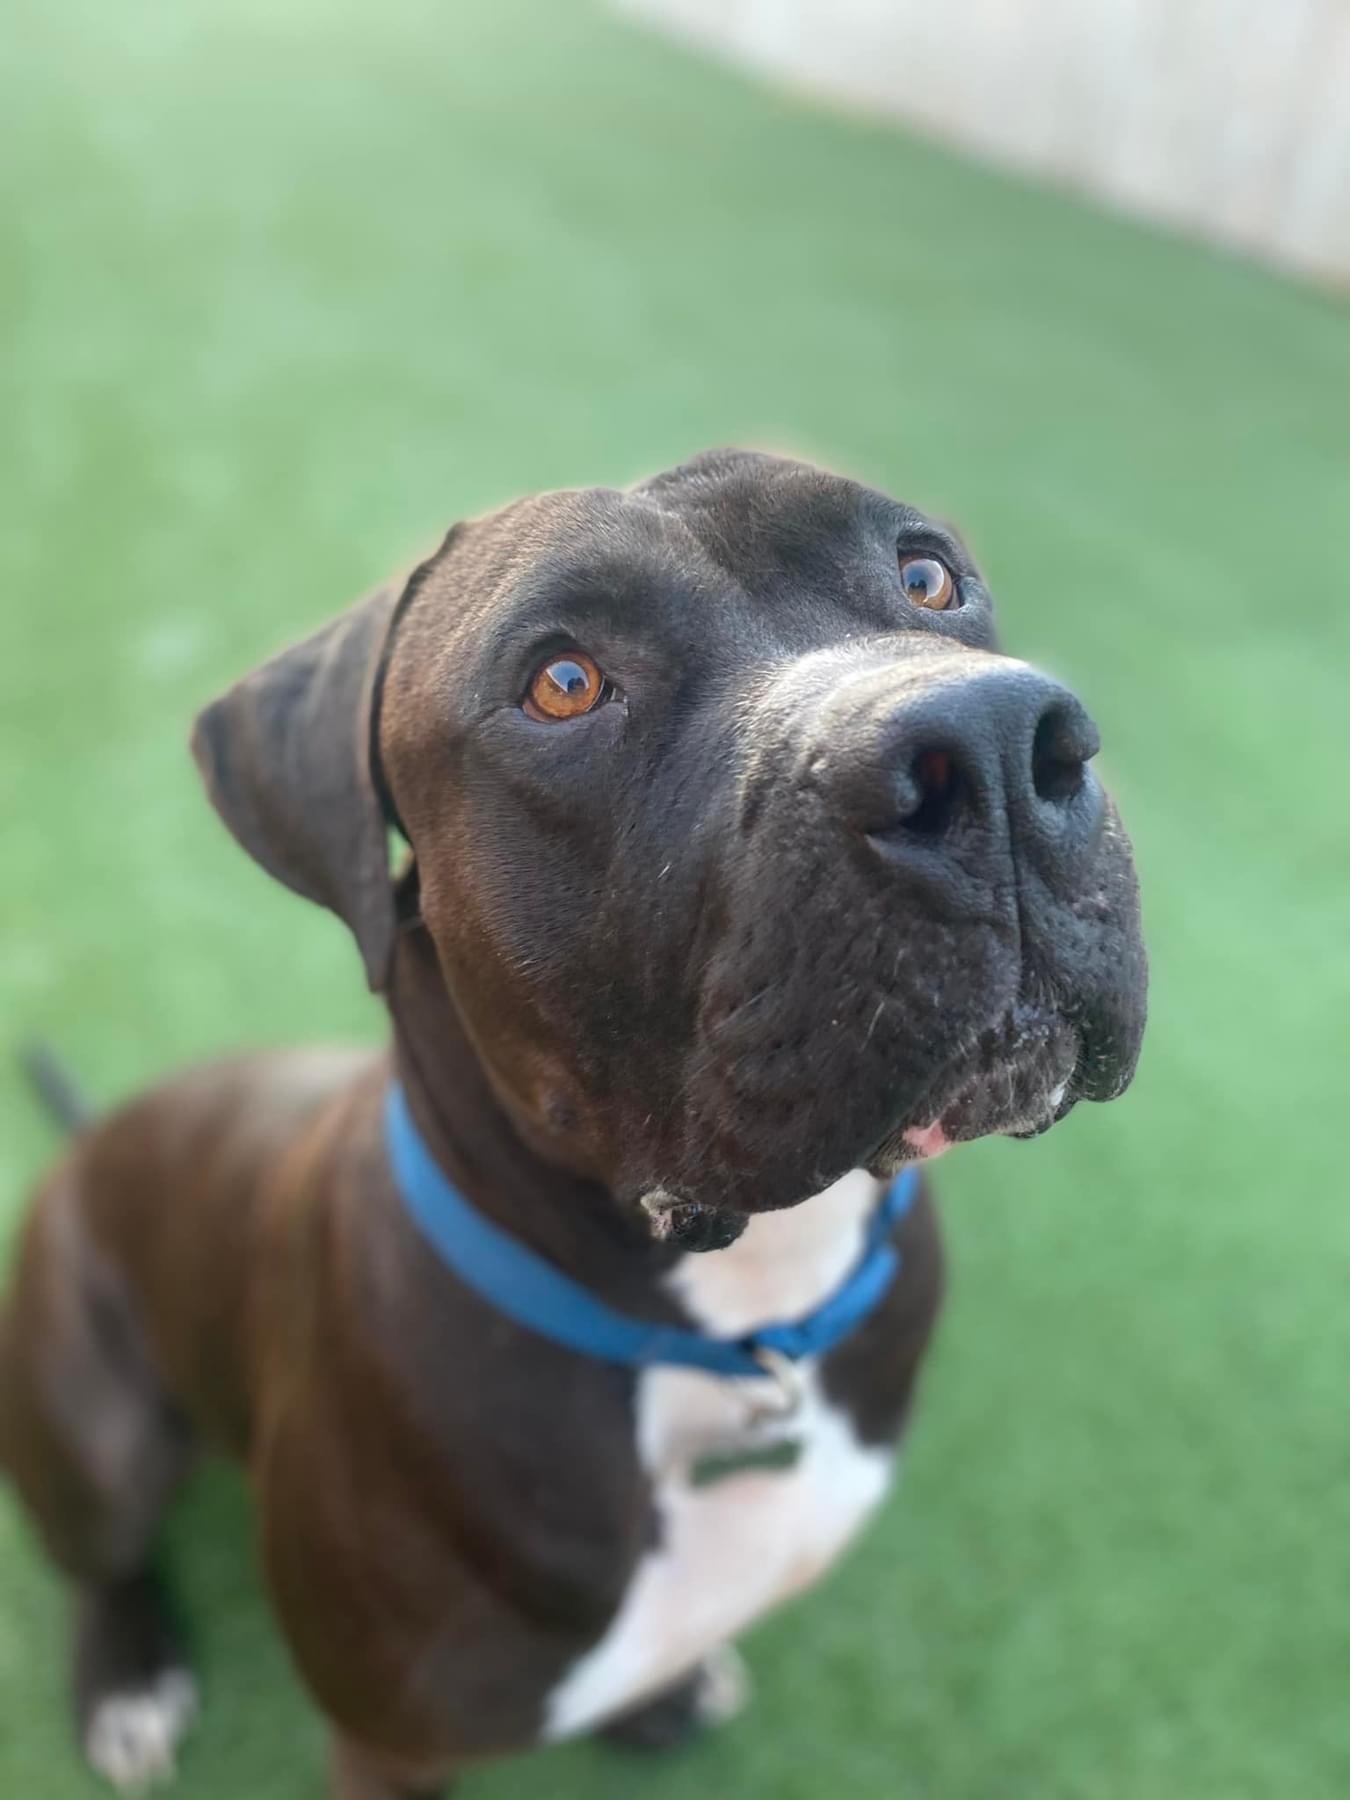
61,1095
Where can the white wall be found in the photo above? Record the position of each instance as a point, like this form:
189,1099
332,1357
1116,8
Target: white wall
1227,117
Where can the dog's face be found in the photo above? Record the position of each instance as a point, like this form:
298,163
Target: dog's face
747,858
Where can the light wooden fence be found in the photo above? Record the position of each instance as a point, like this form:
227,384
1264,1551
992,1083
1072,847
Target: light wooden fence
1229,118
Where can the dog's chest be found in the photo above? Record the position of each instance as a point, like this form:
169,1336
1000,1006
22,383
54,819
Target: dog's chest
728,1550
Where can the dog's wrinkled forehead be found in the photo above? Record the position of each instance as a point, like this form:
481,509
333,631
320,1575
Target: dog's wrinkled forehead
769,522
734,558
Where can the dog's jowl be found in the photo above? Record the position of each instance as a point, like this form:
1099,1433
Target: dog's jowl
560,1340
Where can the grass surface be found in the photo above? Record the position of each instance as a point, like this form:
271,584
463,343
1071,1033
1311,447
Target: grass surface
292,285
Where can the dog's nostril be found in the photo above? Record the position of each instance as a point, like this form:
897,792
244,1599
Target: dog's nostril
1064,743
929,793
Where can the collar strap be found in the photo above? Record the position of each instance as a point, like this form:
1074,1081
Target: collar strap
535,1294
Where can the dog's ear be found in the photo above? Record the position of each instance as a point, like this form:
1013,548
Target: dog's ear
290,760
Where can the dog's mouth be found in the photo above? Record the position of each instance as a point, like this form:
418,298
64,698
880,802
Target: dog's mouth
1016,1081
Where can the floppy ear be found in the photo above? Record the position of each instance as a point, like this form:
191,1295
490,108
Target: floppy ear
290,761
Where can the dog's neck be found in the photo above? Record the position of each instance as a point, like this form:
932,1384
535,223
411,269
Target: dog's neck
577,1224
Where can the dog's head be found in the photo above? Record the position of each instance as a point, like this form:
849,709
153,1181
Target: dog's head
747,857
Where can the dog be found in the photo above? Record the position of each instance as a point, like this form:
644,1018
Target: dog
741,873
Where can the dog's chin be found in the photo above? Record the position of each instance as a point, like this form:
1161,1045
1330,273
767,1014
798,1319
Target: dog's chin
1016,1078
1008,1101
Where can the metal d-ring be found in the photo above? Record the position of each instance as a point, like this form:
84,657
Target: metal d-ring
790,1382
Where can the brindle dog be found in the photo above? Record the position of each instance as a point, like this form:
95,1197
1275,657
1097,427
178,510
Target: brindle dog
743,869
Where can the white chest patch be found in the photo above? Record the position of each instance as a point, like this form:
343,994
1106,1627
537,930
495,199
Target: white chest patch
730,1551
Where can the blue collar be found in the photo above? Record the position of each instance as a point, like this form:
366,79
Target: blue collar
535,1294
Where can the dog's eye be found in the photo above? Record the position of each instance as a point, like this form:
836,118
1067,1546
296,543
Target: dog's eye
927,582
566,687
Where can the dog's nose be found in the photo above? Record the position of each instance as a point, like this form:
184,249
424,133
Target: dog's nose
977,761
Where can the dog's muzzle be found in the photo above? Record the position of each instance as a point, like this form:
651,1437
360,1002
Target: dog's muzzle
933,923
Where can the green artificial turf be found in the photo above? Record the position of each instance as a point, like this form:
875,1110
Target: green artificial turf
289,285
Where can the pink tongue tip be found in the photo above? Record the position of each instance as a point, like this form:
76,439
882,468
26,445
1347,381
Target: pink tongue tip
928,1140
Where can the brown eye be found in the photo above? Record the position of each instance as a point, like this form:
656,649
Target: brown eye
927,582
566,687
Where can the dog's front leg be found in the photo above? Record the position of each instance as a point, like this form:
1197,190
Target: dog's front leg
358,1775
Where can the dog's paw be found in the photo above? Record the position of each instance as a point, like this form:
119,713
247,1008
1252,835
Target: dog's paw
723,1687
132,1738
716,1691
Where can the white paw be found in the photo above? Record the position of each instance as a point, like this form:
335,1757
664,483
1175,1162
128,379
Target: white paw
724,1686
132,1738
